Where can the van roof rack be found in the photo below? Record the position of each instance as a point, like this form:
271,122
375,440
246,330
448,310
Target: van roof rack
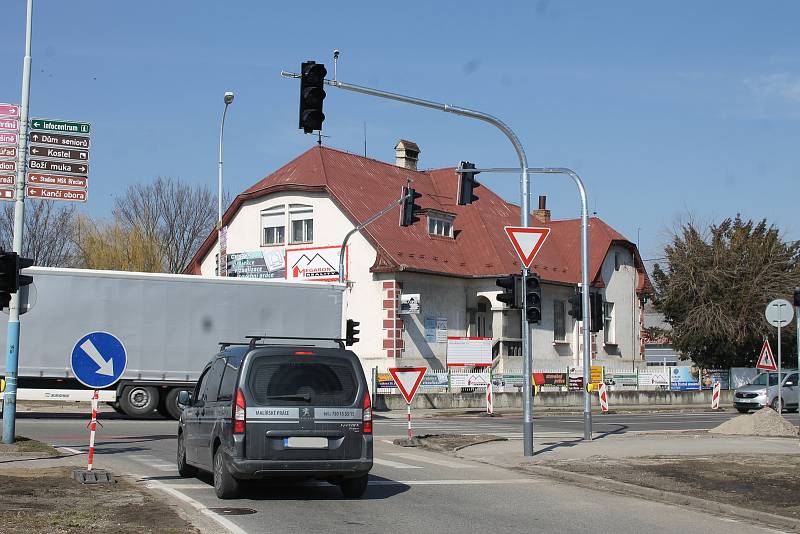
254,341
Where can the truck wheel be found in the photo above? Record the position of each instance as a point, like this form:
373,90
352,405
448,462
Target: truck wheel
169,404
139,401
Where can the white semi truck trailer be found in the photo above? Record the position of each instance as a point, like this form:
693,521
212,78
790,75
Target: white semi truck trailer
170,326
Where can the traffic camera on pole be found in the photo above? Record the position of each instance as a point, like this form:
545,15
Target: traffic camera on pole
312,95
351,333
533,298
576,305
409,207
10,278
512,290
467,184
596,312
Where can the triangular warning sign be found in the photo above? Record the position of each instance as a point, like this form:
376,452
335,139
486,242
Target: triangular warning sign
408,380
766,360
527,241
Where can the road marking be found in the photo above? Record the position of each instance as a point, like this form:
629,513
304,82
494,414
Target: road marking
188,486
225,523
70,450
390,442
396,465
164,467
434,461
451,482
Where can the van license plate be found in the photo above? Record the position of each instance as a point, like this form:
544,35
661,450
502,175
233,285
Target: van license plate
303,442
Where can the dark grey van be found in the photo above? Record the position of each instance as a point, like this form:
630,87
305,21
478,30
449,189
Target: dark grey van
261,411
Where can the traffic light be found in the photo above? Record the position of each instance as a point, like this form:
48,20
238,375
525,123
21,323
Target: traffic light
596,312
467,185
10,278
350,336
312,94
533,298
409,207
512,290
576,305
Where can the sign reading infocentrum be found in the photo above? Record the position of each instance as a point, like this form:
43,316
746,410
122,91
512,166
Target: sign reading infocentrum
49,125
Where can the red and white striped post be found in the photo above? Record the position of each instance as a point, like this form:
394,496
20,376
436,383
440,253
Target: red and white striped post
408,416
715,394
603,398
93,426
489,400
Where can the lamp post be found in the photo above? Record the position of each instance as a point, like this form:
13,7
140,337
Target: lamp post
228,101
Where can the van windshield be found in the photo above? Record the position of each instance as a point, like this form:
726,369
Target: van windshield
302,381
761,380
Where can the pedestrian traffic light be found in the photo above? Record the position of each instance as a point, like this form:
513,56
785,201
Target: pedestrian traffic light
409,207
596,312
312,94
10,278
512,290
350,336
467,185
533,298
576,305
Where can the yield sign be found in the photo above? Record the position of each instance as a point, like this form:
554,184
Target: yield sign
408,380
765,360
527,241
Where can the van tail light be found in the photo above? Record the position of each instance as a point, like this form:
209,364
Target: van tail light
366,426
239,411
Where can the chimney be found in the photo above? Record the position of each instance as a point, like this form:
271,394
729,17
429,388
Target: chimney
406,154
543,214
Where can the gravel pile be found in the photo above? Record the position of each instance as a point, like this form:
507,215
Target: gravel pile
764,422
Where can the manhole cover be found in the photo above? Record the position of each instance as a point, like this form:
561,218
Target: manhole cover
233,511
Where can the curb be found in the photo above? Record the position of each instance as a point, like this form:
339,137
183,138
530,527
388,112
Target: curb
589,481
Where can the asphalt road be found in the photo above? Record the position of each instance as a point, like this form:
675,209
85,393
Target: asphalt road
410,490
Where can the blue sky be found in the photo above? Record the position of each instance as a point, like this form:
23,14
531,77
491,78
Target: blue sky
665,108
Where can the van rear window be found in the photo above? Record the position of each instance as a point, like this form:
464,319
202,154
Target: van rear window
302,381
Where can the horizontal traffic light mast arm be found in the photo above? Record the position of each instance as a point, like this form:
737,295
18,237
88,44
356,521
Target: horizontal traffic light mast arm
361,226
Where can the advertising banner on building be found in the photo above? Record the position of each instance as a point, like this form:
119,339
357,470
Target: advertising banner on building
469,351
469,380
257,264
684,379
315,264
409,303
430,329
712,376
550,379
654,379
621,380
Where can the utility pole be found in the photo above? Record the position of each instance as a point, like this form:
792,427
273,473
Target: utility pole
12,339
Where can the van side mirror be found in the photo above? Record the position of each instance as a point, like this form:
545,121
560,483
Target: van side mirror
183,398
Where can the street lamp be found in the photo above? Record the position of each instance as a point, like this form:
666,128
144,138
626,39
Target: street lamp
228,101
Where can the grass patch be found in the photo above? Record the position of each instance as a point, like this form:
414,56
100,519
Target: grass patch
24,445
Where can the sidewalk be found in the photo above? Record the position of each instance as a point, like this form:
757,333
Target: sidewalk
541,412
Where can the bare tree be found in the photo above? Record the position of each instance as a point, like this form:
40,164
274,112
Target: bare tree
49,232
114,246
176,215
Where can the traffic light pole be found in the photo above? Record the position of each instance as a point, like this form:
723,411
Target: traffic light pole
12,353
360,227
527,404
587,355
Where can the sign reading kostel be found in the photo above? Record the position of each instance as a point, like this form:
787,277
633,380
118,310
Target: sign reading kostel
61,153
72,141
52,193
60,126
58,166
55,179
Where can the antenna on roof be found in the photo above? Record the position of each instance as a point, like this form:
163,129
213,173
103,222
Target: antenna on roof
320,136
365,139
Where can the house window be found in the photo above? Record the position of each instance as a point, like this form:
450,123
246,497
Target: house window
273,224
441,226
609,324
559,321
617,261
301,219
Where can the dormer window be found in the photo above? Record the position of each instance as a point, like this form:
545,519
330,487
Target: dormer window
440,224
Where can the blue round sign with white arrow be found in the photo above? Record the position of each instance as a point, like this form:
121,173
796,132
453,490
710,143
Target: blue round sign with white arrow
98,360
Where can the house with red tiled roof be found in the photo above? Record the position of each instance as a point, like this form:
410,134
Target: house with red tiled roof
290,226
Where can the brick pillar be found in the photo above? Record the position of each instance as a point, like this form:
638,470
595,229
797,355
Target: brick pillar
392,324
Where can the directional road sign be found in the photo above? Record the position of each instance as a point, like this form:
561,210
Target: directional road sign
98,360
56,179
527,242
50,125
8,138
8,166
70,141
766,360
55,193
408,380
58,166
8,179
7,194
60,153
9,124
8,152
9,110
